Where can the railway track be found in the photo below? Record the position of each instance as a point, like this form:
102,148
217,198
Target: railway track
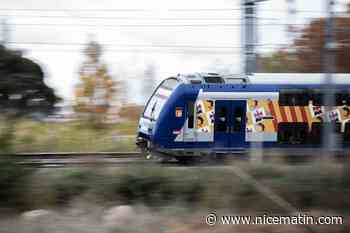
77,154
61,159
50,159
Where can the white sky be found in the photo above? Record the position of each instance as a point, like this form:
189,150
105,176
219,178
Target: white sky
61,62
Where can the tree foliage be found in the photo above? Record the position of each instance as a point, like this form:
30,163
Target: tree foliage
310,46
22,87
22,92
95,91
306,54
278,62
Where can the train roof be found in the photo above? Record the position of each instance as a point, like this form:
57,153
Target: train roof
263,78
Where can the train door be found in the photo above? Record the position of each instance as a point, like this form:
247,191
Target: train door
229,124
222,123
238,126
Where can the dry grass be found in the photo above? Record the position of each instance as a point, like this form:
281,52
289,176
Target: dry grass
31,136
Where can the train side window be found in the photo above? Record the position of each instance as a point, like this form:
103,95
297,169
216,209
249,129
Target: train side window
284,132
190,112
317,97
346,135
238,119
294,97
316,133
292,132
342,97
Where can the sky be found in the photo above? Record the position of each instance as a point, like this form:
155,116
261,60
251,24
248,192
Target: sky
138,34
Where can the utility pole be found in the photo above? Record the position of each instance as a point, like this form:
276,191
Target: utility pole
292,11
249,36
5,33
329,137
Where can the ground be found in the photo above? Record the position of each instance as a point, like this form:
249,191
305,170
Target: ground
174,199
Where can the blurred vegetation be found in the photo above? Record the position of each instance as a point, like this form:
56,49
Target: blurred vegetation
13,183
304,187
306,53
75,136
23,92
97,91
278,62
131,112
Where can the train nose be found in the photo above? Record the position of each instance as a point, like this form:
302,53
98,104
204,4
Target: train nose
141,142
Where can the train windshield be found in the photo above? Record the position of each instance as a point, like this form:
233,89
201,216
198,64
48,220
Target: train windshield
159,97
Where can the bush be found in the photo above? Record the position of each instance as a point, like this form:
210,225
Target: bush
214,188
157,190
13,183
71,185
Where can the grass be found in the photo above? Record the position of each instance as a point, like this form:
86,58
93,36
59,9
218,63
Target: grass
213,188
32,136
201,188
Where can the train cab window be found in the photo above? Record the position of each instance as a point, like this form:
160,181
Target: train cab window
190,112
169,84
159,98
294,97
238,119
221,119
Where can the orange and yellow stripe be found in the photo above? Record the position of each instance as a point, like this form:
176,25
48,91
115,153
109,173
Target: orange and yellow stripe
289,113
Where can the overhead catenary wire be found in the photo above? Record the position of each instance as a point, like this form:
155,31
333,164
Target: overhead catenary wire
143,48
127,25
141,45
123,17
129,17
148,10
119,10
151,25
146,51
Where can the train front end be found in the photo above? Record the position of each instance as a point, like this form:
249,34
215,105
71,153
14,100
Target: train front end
154,113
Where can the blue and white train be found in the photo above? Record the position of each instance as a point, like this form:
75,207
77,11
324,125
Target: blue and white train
206,113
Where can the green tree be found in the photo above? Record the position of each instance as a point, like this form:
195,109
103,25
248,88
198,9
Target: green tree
96,90
22,92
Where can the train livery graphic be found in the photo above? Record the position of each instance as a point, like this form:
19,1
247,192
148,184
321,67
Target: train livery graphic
197,114
265,115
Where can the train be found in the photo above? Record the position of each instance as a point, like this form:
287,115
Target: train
194,115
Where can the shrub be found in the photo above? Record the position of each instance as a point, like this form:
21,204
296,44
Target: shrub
13,183
71,185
